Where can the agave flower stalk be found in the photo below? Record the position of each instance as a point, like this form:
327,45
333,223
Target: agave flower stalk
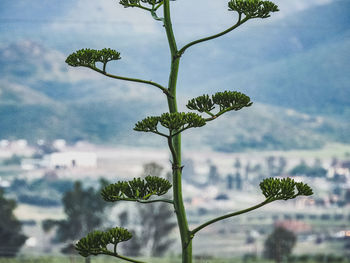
175,122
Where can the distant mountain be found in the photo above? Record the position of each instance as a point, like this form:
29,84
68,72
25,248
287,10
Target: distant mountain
298,76
320,87
300,62
25,113
265,127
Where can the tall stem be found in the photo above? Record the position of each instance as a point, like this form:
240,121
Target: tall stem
175,142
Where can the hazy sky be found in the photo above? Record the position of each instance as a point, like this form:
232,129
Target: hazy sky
51,20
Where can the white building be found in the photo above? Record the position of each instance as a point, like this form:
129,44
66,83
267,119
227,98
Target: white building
341,168
72,159
59,144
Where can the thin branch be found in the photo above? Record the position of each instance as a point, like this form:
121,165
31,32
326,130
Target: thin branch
194,231
211,118
214,116
161,134
140,6
240,22
154,14
180,131
146,201
145,8
159,5
165,90
153,201
209,113
109,253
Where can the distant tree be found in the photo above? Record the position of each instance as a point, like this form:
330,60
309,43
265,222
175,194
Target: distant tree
237,164
248,169
123,218
347,196
270,162
84,209
239,181
282,163
11,237
258,171
152,168
45,148
312,171
134,246
222,197
213,177
249,257
334,161
229,181
300,216
347,244
276,166
157,220
337,190
156,224
13,160
318,162
279,244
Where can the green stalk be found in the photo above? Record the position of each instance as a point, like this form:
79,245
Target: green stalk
194,231
131,79
175,142
239,22
114,254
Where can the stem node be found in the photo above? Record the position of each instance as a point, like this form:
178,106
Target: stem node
177,167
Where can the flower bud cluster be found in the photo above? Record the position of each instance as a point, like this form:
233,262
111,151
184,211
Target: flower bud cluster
88,57
253,8
138,189
96,242
283,189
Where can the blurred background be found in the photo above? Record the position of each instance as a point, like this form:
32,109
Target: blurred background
67,132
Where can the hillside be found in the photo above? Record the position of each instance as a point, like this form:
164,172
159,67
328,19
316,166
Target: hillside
298,76
320,87
25,113
302,62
